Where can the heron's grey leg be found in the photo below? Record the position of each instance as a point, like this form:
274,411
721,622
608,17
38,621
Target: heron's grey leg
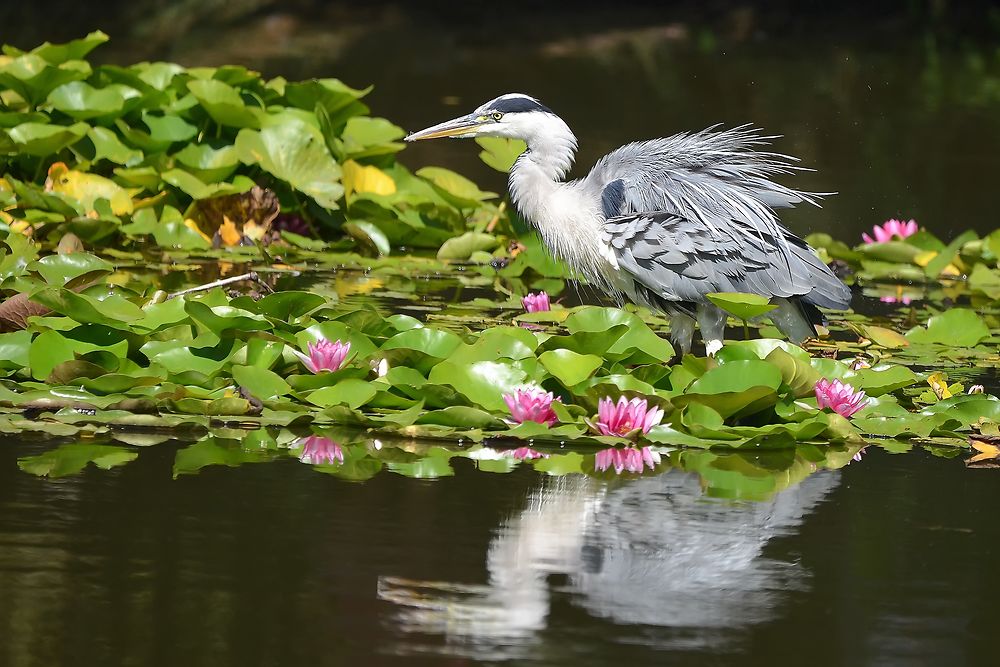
712,322
682,331
790,321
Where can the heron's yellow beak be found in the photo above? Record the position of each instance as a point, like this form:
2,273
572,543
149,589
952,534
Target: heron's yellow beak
450,128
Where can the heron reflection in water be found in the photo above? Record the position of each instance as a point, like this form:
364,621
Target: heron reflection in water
664,222
653,552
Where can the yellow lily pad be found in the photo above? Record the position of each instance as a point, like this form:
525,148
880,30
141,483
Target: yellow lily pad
88,188
364,178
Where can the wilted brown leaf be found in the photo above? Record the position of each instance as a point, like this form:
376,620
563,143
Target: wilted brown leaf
15,311
69,243
258,205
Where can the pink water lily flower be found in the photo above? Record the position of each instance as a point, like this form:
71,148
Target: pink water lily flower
890,228
839,397
624,417
525,454
531,404
316,449
325,355
534,303
857,456
629,459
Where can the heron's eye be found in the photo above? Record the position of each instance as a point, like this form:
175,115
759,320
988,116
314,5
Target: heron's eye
497,115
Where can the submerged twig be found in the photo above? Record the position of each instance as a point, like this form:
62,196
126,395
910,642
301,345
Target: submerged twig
251,276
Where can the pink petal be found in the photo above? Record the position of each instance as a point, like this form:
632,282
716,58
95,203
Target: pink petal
306,361
653,418
511,405
650,457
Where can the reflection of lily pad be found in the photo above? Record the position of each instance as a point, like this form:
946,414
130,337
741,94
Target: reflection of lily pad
72,458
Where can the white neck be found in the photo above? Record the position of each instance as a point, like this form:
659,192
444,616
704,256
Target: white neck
551,148
569,222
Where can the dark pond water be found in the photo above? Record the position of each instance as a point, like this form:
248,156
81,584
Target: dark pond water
887,561
901,117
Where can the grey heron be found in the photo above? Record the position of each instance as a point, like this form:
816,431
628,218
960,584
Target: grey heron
667,221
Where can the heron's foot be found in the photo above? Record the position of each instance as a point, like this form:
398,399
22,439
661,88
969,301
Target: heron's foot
712,346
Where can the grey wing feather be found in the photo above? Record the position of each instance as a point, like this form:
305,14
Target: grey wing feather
681,262
693,214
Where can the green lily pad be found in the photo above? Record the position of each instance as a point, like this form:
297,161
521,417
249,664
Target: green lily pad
365,137
196,189
499,152
369,235
294,152
222,319
41,139
60,269
262,383
209,164
735,388
462,247
799,375
33,78
891,251
223,103
482,382
351,392
946,256
107,146
455,188
72,50
282,306
880,380
957,327
82,101
113,310
14,348
569,367
740,305
168,128
460,416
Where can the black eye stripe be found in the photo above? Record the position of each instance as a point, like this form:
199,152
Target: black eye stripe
518,105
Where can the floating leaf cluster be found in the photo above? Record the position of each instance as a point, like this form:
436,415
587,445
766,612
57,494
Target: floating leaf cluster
158,153
969,264
105,354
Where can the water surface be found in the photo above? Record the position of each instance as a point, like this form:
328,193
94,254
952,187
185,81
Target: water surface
885,561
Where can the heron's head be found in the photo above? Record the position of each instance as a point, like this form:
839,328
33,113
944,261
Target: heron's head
514,116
